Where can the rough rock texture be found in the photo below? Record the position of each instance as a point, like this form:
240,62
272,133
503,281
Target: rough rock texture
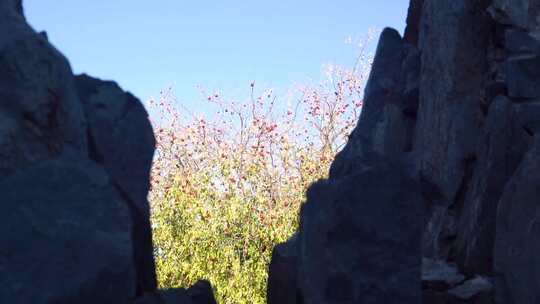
40,113
68,239
387,119
360,234
414,15
518,233
518,13
477,117
450,127
443,283
453,43
360,238
113,115
500,151
480,82
75,158
456,102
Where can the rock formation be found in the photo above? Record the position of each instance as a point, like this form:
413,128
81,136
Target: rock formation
434,199
360,235
75,159
455,104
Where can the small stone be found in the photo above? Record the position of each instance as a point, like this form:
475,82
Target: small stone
439,273
472,288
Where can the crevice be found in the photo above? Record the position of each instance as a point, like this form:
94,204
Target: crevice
93,151
141,237
430,191
528,131
468,171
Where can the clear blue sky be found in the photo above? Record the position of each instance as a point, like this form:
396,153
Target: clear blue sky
148,45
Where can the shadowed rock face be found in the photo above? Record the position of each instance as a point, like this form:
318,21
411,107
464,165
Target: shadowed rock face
518,228
387,119
120,138
360,234
283,273
82,221
118,123
454,37
40,113
360,237
449,128
12,6
455,103
453,42
67,236
75,158
492,124
499,153
414,14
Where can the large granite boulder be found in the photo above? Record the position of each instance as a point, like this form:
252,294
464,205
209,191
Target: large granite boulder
40,113
386,123
455,104
118,123
360,237
66,236
450,118
120,138
75,156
